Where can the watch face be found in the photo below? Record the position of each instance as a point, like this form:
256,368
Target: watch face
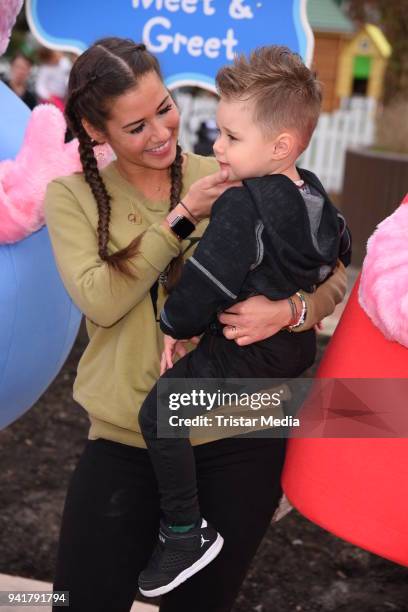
183,227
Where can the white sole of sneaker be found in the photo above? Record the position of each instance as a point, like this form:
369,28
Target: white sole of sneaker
211,553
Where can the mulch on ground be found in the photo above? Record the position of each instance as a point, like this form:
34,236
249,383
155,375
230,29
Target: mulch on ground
299,567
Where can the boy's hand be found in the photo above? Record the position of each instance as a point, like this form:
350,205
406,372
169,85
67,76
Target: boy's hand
172,348
167,354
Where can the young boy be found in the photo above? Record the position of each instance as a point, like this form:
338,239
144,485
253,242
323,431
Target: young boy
276,234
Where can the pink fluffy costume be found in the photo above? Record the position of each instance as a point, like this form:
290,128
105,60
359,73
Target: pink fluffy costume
358,487
43,157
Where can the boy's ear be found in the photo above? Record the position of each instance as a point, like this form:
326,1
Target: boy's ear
283,146
92,132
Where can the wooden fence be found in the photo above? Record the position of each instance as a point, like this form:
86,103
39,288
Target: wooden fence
350,126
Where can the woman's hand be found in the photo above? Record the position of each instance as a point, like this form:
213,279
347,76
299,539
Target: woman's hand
173,348
255,319
203,193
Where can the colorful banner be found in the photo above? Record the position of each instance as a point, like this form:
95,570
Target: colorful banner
191,38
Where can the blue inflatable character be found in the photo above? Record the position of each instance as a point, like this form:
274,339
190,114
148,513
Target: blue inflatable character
38,321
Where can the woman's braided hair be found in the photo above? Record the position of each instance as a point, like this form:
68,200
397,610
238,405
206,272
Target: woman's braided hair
109,68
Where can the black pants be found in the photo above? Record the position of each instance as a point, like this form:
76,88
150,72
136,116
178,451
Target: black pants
111,519
285,355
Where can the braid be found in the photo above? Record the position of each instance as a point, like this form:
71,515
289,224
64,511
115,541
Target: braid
92,177
119,259
99,191
176,175
176,178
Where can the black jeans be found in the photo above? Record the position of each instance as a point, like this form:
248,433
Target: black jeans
284,355
111,519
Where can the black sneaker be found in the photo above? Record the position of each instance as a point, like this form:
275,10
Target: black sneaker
177,557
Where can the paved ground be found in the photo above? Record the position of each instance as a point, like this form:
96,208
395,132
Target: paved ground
14,583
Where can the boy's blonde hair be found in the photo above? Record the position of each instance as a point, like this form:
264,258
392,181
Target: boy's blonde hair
285,93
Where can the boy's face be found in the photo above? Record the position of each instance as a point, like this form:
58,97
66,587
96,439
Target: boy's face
241,147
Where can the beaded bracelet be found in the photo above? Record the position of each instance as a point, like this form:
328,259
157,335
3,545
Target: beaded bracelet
303,314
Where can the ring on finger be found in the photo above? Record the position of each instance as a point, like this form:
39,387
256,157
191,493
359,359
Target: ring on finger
233,329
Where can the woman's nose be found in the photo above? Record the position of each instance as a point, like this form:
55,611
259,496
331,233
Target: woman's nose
160,133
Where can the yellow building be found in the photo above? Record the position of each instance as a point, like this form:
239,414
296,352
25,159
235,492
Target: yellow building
362,64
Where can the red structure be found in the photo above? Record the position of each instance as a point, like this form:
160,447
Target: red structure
357,488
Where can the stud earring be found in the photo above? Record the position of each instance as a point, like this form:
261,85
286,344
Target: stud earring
100,155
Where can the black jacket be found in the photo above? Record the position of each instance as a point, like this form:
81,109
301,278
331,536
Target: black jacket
258,241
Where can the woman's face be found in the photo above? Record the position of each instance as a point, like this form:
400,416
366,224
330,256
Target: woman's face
143,125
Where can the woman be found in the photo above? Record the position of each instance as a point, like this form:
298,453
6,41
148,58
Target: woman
112,240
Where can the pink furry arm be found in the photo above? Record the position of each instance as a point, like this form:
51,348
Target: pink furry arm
383,292
43,157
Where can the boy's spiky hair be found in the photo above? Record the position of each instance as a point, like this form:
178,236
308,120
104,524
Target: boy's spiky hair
284,91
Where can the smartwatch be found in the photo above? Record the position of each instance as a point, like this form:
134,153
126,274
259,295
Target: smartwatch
181,226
